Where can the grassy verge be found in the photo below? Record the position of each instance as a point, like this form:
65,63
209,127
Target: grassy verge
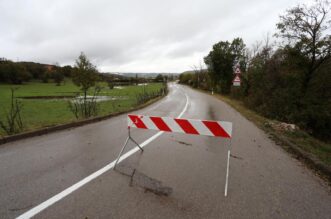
315,153
41,113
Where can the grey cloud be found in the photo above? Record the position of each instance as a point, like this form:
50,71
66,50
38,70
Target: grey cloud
145,35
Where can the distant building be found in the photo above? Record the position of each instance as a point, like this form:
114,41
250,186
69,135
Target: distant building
49,67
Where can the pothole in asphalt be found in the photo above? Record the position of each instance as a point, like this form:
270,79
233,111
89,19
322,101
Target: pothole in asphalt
20,209
184,143
139,179
237,157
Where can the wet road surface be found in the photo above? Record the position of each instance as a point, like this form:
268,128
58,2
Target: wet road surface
177,176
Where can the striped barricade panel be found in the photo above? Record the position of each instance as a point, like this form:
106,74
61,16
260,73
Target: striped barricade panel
186,126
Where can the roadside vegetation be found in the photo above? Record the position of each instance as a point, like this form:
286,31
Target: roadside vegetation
283,136
45,104
283,82
85,76
12,123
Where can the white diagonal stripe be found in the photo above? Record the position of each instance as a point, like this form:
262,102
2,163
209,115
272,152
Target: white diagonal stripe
149,123
227,126
131,123
200,127
173,124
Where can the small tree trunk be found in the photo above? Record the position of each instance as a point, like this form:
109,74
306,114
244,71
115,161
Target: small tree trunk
85,103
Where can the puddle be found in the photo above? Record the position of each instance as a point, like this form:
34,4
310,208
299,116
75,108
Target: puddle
74,98
102,98
142,180
46,97
211,113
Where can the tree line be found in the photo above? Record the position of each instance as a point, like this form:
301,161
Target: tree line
20,72
289,80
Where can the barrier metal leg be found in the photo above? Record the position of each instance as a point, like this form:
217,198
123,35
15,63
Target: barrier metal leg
126,142
119,156
136,144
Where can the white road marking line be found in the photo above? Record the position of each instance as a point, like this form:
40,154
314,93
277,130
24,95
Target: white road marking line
32,212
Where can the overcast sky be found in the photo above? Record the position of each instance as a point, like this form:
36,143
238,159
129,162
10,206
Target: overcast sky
131,36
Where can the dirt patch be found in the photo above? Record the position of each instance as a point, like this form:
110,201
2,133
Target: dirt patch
141,180
150,184
20,209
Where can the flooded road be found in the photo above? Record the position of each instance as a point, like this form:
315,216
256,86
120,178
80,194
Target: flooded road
177,176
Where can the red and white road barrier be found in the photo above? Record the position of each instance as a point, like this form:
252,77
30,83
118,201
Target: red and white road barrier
186,126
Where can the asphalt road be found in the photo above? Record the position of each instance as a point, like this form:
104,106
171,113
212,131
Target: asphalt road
177,176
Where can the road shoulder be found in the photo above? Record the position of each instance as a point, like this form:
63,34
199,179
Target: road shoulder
298,143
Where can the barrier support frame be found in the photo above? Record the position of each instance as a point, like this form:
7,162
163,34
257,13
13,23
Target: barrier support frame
142,150
125,144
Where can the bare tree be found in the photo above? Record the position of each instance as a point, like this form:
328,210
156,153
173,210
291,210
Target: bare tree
198,70
305,27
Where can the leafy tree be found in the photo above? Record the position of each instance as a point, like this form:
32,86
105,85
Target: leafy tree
35,69
58,77
290,83
66,70
46,76
185,78
85,74
159,78
316,116
220,62
4,70
17,73
12,72
110,84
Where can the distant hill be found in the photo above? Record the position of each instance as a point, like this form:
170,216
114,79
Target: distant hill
142,75
194,71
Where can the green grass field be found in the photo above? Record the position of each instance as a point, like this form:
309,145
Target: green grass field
38,113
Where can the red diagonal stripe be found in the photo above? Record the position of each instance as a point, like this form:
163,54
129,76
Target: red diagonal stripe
186,126
137,121
160,124
216,129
